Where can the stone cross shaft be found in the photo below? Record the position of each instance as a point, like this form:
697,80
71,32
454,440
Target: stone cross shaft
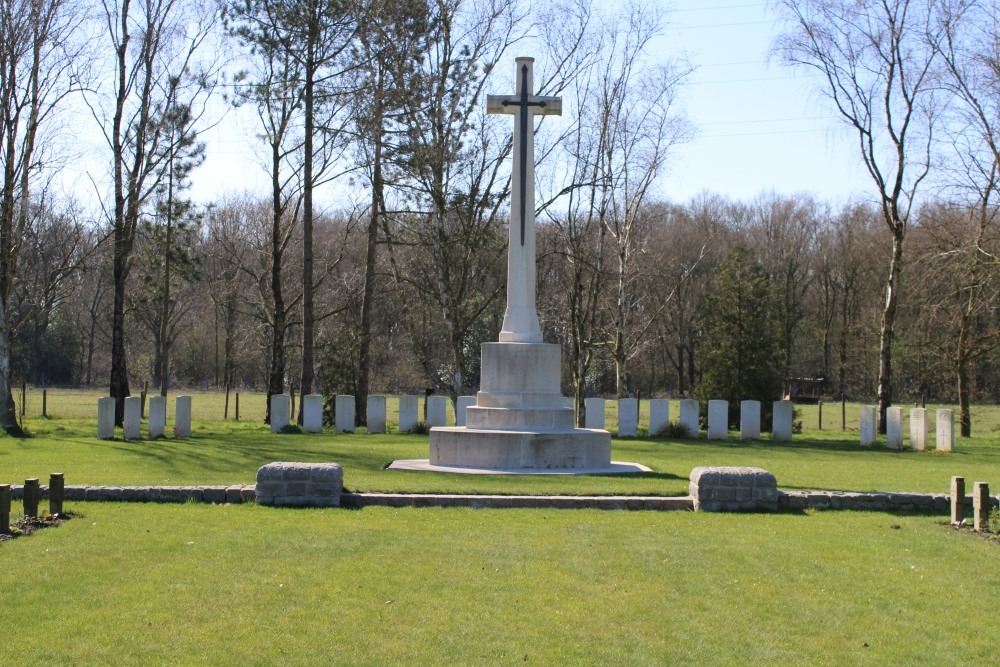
520,322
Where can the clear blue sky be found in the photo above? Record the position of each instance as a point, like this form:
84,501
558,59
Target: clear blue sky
761,126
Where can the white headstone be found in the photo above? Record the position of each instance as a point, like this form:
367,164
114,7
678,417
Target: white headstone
437,411
945,431
132,422
659,415
869,422
628,417
157,417
281,412
718,420
376,414
781,421
918,429
408,413
595,413
750,420
689,417
106,418
463,403
312,413
182,417
343,416
894,428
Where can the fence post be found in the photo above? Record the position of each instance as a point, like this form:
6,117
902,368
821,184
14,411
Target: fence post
5,509
957,499
31,498
237,406
57,493
821,415
225,410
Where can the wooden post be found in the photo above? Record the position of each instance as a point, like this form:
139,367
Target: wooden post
981,506
45,403
31,498
24,402
225,410
291,411
142,405
843,412
820,415
237,406
57,493
957,499
5,509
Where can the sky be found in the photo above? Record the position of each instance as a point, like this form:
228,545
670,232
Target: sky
760,126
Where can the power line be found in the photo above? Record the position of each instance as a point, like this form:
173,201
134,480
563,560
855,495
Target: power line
761,134
766,78
710,9
772,120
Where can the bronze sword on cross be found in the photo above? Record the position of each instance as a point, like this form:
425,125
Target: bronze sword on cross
525,105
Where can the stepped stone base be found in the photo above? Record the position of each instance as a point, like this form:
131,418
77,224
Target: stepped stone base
485,448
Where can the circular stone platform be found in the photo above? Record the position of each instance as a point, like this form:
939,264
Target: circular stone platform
424,465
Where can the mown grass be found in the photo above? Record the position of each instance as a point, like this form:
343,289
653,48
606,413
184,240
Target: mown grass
230,453
143,584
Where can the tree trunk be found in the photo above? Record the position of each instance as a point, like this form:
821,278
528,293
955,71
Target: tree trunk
276,374
308,313
364,353
962,365
887,330
8,411
164,342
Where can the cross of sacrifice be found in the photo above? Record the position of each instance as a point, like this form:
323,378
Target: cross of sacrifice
524,106
520,323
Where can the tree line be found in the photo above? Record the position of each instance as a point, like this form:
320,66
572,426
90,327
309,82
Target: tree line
375,262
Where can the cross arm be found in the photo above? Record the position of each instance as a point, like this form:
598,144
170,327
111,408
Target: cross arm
552,105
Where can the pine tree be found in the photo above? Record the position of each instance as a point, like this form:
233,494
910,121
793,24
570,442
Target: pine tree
740,343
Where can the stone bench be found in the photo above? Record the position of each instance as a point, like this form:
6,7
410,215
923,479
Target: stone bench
733,490
300,484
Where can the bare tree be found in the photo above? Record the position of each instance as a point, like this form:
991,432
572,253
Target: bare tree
36,56
875,61
157,45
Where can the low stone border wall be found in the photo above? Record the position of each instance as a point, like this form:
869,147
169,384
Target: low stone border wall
153,494
931,503
661,503
286,484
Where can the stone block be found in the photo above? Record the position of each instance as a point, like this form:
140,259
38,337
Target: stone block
408,413
918,429
344,414
659,415
594,417
733,489
312,413
894,428
106,418
750,420
437,411
781,421
628,417
287,484
376,414
689,417
182,417
945,432
157,424
869,423
981,506
957,499
718,420
463,403
281,412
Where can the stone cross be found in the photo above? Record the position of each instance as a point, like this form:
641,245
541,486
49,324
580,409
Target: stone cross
520,322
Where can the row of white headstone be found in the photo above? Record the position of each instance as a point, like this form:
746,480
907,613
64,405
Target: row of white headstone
690,409
944,431
132,419
344,421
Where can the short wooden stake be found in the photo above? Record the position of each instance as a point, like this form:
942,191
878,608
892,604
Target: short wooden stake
843,412
31,498
5,509
237,406
957,499
820,415
57,493
45,403
142,404
225,410
981,506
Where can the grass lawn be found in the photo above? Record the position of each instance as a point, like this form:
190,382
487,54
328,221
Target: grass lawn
231,452
195,584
